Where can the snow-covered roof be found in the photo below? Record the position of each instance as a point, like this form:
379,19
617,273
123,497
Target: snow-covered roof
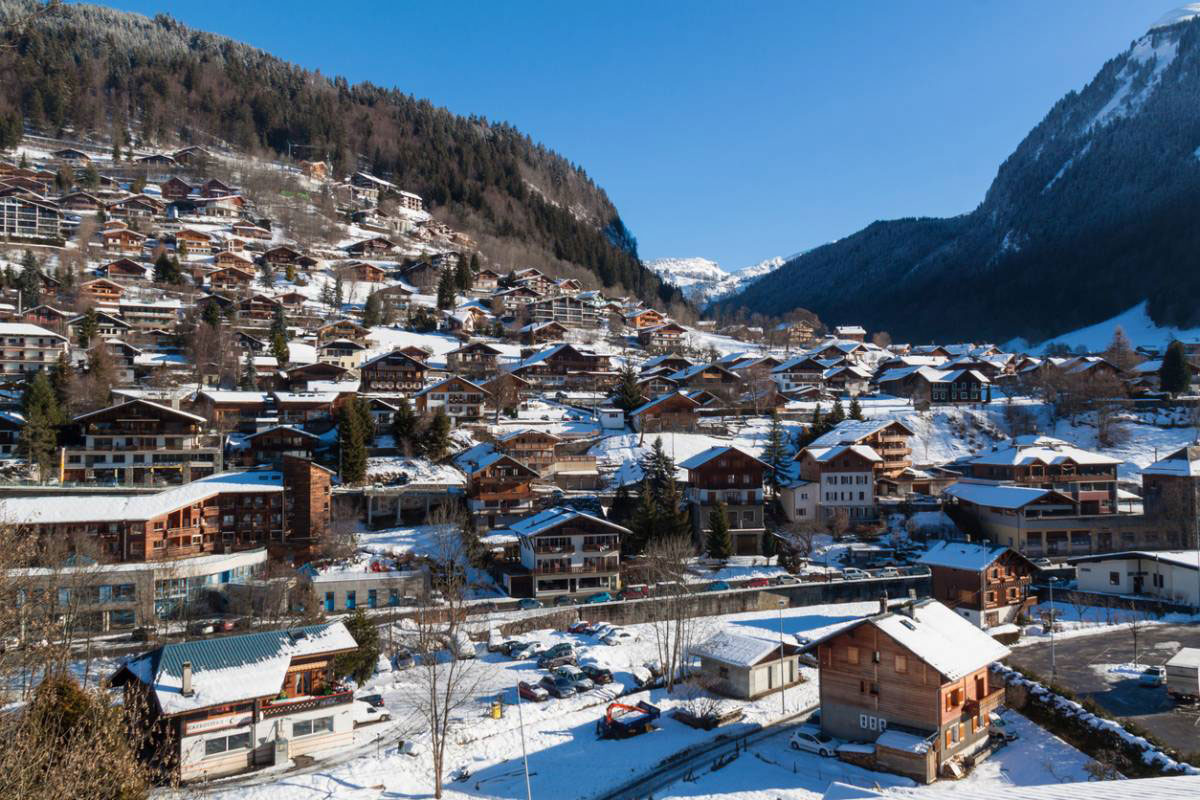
702,458
944,640
232,396
961,555
993,495
157,406
736,649
1184,462
1179,558
852,431
1030,449
824,455
120,508
25,329
893,739
231,669
554,517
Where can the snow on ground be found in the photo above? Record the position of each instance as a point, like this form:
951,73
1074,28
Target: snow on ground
1137,324
1093,620
389,339
1114,673
559,734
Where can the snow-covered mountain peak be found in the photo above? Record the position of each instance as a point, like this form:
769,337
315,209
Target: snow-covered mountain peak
1185,12
703,281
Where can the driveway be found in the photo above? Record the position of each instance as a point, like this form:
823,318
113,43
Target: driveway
1082,666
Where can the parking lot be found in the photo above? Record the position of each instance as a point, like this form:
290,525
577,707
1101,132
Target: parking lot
1081,664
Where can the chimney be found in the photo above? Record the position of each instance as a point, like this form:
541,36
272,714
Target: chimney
186,689
883,604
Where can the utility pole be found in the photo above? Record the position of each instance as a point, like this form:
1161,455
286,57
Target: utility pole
524,755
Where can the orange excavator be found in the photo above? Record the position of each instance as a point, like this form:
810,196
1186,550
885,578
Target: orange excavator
621,721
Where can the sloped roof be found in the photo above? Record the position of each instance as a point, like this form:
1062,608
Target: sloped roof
961,555
736,649
995,496
852,431
554,517
1026,450
944,640
702,458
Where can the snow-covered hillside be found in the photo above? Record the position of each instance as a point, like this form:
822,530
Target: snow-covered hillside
1136,323
703,280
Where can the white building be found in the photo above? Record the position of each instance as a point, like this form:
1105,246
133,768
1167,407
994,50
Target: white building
28,348
1169,575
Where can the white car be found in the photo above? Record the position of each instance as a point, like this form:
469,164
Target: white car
365,713
888,572
810,739
854,574
619,636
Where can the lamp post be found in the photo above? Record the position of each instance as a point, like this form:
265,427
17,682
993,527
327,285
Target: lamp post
782,679
1053,663
524,756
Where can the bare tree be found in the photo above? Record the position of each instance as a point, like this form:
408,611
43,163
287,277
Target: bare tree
444,683
674,626
1135,621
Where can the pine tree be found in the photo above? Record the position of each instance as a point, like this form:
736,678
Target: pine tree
88,327
445,291
675,518
436,442
39,436
769,544
280,349
464,279
836,414
62,374
775,454
371,310
366,423
629,394
352,458
1174,376
644,521
338,298
212,314
359,664
249,381
623,507
658,469
855,408
718,541
164,270
406,428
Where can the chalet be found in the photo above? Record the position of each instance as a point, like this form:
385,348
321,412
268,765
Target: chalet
101,290
368,248
656,383
107,326
137,206
227,206
457,397
192,155
392,373
669,412
124,268
713,377
317,170
71,155
729,476
175,188
281,256
486,280
214,187
228,258
662,338
363,272
343,329
536,333
140,443
800,372
534,279
299,376
746,667
123,242
344,353
986,584
565,552
232,410
565,309
366,187
285,703
409,200
476,359
1090,479
850,333
248,230
565,365
48,317
299,408
887,438
500,488
644,318
847,379
230,279
534,448
915,682
511,302
80,201
845,474
800,333
194,243
155,160
506,391
422,274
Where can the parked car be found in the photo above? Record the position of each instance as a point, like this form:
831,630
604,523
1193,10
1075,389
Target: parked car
530,603
579,627
998,726
560,649
558,687
757,583
373,699
642,677
511,646
532,691
1153,676
550,662
365,713
619,636
564,600
634,591
599,675
785,579
811,739
888,572
717,586
402,659
854,574
576,676
1042,563
523,652
599,597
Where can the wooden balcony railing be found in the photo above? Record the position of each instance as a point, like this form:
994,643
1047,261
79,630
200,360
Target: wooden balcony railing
296,705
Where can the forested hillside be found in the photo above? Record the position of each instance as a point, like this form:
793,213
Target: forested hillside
1087,218
93,73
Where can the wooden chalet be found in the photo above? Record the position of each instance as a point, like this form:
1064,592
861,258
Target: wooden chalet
123,242
675,411
101,290
124,268
985,584
457,397
362,272
392,373
230,279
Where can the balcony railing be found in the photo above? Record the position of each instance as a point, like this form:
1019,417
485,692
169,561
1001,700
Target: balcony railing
296,705
989,703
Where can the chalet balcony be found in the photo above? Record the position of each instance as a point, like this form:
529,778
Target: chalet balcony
989,703
279,707
586,568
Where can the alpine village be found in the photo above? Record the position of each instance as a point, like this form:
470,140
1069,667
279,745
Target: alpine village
348,449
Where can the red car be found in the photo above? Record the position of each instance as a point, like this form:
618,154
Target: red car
578,627
531,691
757,583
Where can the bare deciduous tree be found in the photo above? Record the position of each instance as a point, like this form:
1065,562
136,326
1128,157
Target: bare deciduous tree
675,625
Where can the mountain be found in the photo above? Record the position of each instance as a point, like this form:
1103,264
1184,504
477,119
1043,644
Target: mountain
703,281
1092,214
96,74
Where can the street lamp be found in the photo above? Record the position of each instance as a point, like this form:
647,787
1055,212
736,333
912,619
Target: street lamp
782,679
1053,672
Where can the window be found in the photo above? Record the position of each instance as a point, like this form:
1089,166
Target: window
224,744
953,698
1158,580
901,664
351,599
1114,579
852,655
372,598
723,672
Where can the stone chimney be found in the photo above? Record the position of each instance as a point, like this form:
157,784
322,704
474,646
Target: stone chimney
186,689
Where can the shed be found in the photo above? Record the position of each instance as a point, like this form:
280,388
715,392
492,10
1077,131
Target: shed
747,667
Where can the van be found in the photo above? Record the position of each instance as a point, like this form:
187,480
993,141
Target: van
854,574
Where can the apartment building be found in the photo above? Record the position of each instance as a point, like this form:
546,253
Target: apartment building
28,348
1043,462
457,397
565,551
733,477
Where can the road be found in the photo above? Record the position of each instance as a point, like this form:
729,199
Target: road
1080,668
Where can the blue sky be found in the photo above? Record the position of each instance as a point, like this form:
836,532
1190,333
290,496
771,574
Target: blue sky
734,131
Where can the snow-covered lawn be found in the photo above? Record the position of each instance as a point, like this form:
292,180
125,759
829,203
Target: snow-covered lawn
1091,620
